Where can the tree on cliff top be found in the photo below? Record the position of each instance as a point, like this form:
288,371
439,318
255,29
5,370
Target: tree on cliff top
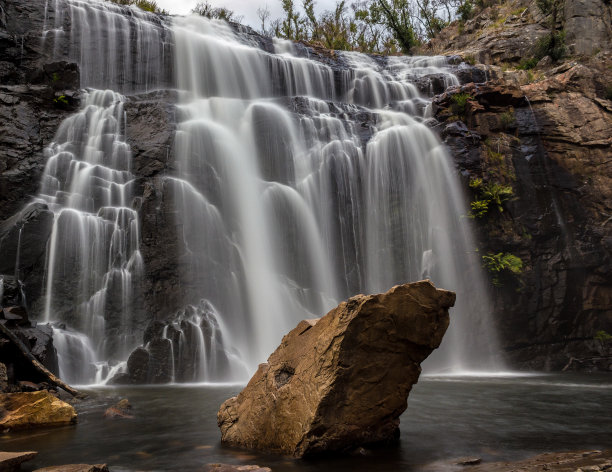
146,5
216,13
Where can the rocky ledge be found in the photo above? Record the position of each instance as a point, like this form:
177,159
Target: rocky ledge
341,381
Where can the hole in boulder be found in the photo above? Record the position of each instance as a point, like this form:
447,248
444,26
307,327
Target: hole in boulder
283,376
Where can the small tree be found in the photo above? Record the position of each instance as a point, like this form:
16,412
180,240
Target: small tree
216,13
553,44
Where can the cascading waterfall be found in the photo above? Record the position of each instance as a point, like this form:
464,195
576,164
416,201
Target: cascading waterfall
299,182
93,254
119,48
297,213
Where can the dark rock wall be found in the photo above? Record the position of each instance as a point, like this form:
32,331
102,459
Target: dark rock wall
554,151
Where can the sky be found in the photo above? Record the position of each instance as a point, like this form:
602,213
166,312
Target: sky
246,8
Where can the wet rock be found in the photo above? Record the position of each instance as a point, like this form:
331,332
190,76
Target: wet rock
75,468
11,291
3,378
160,361
468,461
15,316
11,461
39,339
138,365
236,468
33,410
340,381
122,409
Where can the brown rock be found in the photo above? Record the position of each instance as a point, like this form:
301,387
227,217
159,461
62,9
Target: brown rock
34,409
236,468
75,468
343,380
11,461
120,410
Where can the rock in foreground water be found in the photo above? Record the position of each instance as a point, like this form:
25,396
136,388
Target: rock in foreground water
11,461
342,380
34,409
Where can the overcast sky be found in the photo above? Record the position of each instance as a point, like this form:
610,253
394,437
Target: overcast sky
246,8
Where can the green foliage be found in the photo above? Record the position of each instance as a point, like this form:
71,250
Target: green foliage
146,5
519,11
528,63
552,44
507,119
496,157
488,195
549,7
460,102
479,208
55,77
469,59
61,101
215,13
608,94
465,11
603,337
397,17
502,263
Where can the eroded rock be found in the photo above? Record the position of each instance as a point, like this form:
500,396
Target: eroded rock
340,381
34,409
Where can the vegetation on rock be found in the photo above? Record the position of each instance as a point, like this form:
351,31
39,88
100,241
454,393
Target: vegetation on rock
502,263
489,194
146,5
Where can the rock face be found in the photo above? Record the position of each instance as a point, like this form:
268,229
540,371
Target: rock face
11,461
34,409
340,381
549,141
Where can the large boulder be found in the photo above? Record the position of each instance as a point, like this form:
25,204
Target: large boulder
34,409
340,381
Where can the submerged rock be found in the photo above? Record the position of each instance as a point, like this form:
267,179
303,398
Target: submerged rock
340,381
34,409
123,409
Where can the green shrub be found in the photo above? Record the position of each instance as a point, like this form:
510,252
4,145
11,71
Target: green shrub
528,63
479,208
551,44
603,336
502,263
61,101
465,10
507,119
609,92
55,77
488,194
469,59
459,103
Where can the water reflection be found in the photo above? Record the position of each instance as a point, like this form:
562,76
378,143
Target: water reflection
493,418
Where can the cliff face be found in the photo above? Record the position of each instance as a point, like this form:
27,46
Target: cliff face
546,134
553,150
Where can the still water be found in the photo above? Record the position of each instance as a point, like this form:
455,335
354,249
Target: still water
496,418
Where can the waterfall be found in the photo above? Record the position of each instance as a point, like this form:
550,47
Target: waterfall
280,199
93,253
298,181
121,48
